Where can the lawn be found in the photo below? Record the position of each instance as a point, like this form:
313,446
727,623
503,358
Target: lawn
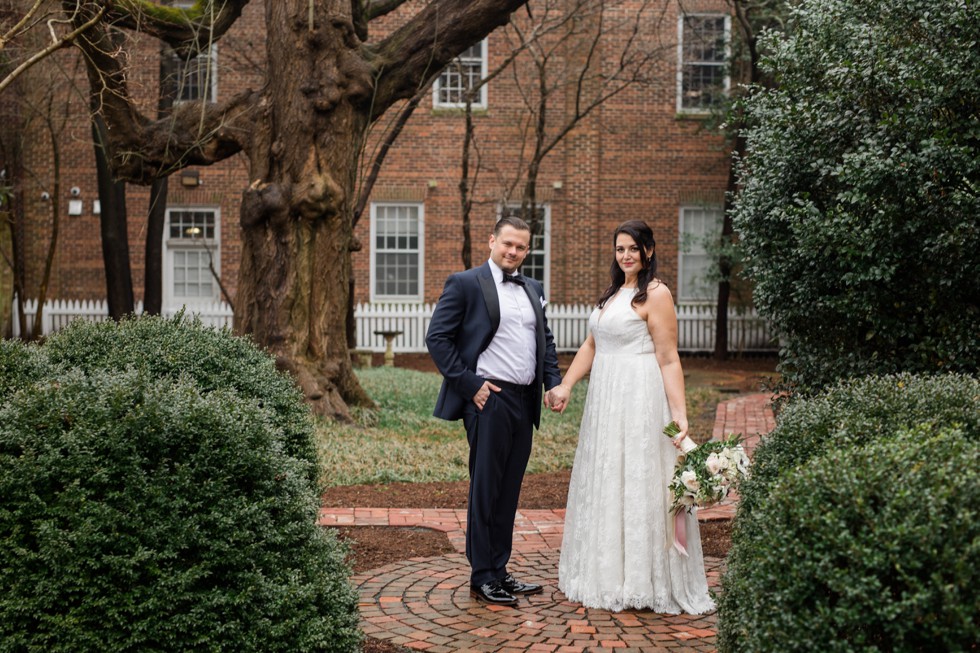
402,441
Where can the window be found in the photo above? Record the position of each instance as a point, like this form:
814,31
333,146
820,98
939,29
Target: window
192,79
537,263
460,76
699,226
397,235
702,50
190,252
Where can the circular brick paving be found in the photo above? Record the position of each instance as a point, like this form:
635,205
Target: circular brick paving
425,604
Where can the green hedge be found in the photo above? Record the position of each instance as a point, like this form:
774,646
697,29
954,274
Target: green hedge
180,347
20,366
876,548
835,440
158,494
856,411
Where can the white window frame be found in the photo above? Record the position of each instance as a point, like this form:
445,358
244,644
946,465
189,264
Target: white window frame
420,295
514,209
726,84
172,245
684,294
180,72
479,102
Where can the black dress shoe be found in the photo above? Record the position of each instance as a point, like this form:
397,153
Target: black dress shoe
493,593
515,586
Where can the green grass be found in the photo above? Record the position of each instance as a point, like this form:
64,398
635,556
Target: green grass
402,441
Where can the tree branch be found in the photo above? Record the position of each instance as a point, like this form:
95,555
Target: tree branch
140,149
389,140
188,31
428,42
377,8
64,41
16,29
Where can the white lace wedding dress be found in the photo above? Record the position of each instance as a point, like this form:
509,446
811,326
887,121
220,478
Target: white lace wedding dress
614,553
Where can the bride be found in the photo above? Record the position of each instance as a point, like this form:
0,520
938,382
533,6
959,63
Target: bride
614,554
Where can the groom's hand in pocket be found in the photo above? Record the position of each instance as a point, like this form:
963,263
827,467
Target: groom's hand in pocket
483,394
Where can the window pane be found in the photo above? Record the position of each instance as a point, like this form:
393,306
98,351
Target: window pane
696,264
191,274
192,247
702,62
460,76
194,78
192,225
397,252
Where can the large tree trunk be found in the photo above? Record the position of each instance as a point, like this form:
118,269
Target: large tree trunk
296,216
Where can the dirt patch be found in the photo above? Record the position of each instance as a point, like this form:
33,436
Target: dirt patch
374,545
539,492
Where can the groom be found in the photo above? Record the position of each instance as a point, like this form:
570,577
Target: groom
490,339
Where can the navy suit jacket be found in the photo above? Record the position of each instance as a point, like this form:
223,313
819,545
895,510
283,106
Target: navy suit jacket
462,326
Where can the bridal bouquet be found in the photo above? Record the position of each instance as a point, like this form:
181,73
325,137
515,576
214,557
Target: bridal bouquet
705,473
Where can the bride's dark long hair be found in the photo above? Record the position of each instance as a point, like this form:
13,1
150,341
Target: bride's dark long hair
642,234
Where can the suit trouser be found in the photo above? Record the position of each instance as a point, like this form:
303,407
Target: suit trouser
500,446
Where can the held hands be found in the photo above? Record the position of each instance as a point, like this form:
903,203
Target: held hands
481,396
557,398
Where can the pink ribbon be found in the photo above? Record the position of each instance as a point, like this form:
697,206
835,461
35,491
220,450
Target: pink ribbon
677,537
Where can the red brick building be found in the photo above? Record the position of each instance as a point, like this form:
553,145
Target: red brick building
645,153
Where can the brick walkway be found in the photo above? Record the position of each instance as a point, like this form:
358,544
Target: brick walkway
424,603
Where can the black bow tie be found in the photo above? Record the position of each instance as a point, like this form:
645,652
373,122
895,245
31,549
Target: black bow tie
516,278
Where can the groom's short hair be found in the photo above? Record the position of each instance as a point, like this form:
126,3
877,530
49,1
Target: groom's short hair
510,221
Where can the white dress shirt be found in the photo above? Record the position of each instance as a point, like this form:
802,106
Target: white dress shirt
511,355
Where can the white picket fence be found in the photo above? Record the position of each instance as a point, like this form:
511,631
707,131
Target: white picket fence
747,332
59,313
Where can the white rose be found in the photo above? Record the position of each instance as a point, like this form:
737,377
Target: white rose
714,463
690,480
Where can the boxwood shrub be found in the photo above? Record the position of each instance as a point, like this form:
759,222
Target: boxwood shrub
170,348
856,411
20,366
142,514
869,548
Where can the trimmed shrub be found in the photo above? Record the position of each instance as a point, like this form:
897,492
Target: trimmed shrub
858,203
20,366
141,514
873,548
168,349
855,412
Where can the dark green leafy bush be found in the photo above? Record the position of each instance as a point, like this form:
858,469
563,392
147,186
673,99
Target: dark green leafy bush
859,196
857,411
168,349
831,425
140,514
20,366
871,548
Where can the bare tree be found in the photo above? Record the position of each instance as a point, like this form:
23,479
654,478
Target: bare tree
567,58
20,23
302,133
46,106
